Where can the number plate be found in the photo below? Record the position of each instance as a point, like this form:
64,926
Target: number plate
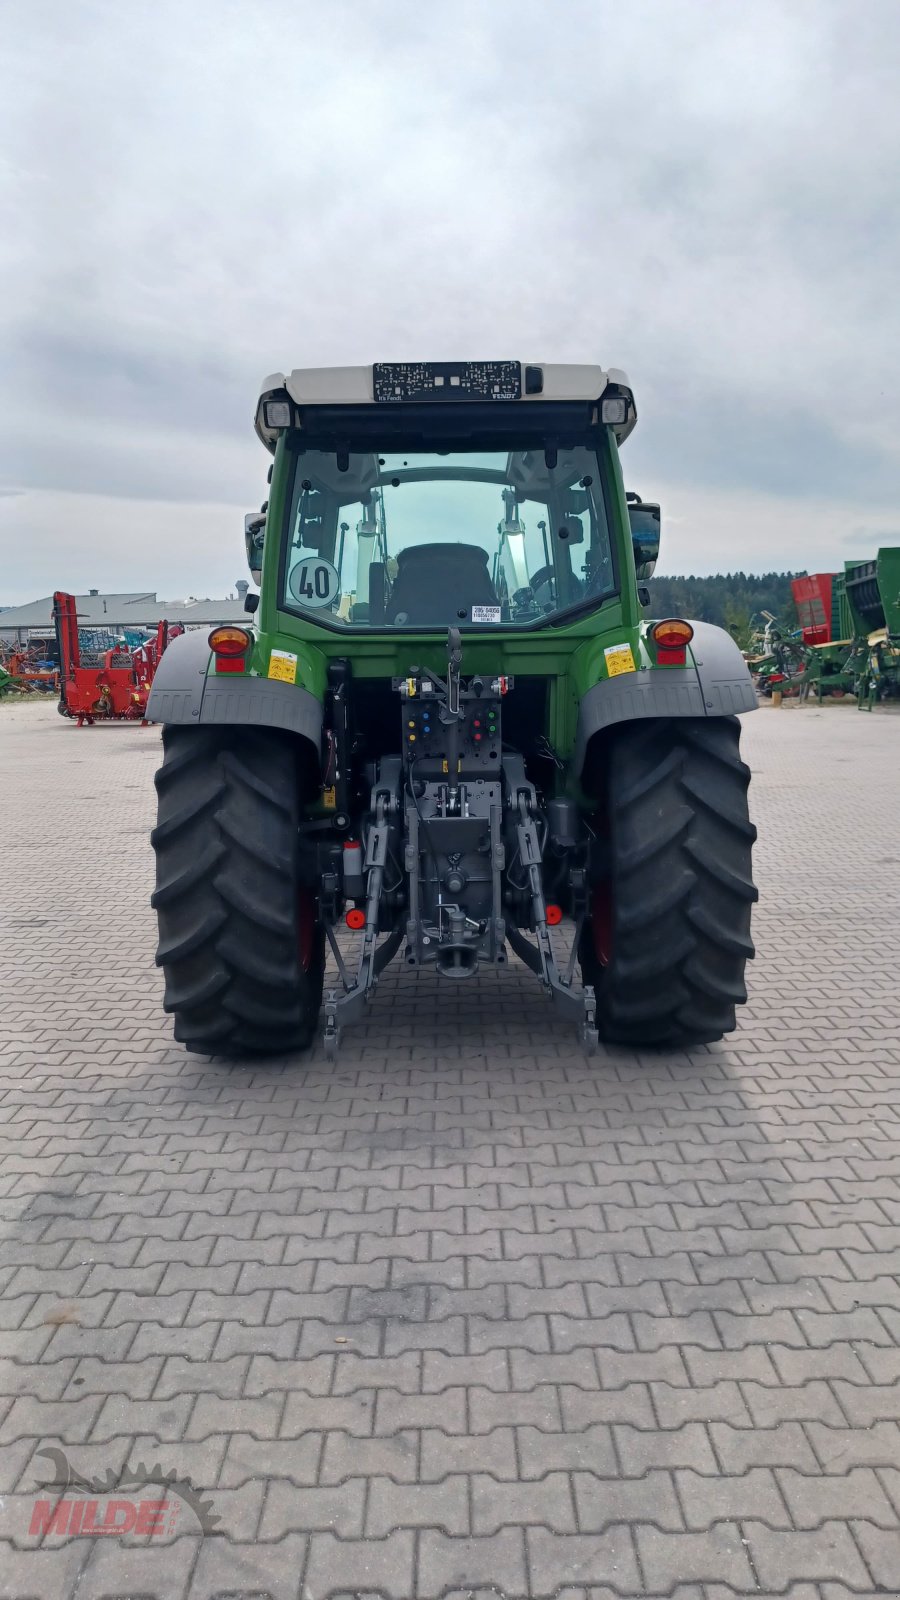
447,380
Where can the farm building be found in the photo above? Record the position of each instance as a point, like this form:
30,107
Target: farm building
117,612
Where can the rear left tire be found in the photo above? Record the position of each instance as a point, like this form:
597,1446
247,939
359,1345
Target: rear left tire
242,952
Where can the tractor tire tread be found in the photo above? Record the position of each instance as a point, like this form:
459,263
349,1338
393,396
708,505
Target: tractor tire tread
227,897
682,889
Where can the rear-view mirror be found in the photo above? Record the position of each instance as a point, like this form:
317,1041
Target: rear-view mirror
645,533
254,539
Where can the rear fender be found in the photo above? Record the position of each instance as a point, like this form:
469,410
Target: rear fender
185,692
716,684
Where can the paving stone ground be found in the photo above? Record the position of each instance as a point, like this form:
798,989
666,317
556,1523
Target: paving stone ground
465,1315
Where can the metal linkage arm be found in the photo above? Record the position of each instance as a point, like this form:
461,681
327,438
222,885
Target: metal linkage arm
348,1006
541,959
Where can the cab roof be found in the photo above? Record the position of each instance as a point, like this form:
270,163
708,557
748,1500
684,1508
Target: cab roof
459,382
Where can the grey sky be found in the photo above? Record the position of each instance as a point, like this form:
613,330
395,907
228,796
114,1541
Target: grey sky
194,195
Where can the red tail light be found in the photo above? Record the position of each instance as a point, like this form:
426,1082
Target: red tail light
230,641
673,634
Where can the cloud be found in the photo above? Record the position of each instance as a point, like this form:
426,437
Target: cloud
89,541
873,539
202,194
705,530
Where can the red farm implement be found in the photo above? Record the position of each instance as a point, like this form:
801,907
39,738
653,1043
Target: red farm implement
109,685
813,599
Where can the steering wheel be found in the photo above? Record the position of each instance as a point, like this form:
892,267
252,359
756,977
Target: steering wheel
542,576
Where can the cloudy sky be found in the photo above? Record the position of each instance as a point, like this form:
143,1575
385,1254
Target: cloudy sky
196,194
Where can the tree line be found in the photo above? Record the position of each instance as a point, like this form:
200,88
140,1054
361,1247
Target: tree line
731,600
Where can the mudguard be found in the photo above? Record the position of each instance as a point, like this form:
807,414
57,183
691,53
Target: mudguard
717,684
184,692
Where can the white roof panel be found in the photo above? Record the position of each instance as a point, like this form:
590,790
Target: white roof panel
337,386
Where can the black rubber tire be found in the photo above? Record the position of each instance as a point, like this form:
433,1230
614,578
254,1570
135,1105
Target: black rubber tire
673,805
232,916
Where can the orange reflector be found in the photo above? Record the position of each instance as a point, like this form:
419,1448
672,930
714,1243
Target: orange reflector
230,641
673,634
355,919
554,916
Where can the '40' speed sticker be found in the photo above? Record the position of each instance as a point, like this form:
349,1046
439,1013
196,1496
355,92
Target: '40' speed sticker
314,582
619,659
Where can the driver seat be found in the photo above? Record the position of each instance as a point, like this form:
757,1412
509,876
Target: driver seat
438,584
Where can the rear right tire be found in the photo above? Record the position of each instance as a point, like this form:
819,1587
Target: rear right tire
669,934
242,953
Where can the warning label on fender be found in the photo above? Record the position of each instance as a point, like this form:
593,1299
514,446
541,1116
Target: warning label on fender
283,665
619,659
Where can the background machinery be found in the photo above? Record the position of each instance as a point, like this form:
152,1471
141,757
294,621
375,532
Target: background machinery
111,684
825,649
869,602
850,630
779,659
32,667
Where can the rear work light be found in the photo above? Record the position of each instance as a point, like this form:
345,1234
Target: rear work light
614,411
672,634
277,413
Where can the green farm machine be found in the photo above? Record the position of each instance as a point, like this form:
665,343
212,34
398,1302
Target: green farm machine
850,624
447,731
869,601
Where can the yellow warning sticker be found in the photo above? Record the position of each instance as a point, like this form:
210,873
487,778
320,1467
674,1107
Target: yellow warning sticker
283,666
619,659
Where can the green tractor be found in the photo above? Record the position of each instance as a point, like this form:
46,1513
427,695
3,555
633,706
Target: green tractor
448,732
